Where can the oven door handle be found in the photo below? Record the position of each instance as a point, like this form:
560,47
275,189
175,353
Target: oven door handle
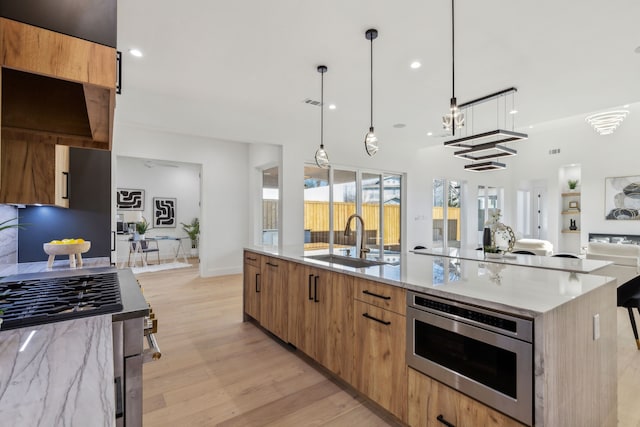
153,352
440,419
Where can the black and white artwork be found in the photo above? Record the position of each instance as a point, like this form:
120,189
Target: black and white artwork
164,212
130,199
622,198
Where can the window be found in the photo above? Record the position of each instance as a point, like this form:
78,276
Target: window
332,196
270,201
446,222
488,198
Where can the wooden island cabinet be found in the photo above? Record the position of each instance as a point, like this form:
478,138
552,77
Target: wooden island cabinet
251,284
380,369
274,296
321,317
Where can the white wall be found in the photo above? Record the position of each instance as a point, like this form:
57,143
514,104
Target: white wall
224,225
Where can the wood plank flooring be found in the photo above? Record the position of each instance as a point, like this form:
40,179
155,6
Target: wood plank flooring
216,370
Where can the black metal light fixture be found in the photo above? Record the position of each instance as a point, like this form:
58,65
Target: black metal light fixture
371,143
455,118
322,158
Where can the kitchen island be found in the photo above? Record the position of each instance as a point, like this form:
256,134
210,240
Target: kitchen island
62,372
573,317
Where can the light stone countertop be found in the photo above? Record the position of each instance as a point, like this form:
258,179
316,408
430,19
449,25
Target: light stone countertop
62,377
515,289
58,265
578,265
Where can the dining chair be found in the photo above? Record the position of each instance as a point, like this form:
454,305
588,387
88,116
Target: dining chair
629,298
565,255
521,252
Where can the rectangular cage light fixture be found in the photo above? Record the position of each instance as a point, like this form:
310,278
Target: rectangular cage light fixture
485,166
501,136
485,151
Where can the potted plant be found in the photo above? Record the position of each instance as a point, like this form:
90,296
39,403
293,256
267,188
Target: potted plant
142,227
492,252
193,231
573,183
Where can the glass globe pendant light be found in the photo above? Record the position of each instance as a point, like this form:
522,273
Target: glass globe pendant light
454,119
322,158
371,143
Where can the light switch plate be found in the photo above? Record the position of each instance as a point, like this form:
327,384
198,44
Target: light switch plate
596,326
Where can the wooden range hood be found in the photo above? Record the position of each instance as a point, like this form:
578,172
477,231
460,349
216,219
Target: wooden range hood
56,88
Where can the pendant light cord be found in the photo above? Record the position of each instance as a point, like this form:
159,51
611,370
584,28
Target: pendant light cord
371,73
453,55
322,110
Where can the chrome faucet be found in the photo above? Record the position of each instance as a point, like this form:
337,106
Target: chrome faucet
347,231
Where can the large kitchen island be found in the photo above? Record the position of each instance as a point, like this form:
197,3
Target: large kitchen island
361,323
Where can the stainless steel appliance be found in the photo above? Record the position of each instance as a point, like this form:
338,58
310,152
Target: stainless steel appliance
484,354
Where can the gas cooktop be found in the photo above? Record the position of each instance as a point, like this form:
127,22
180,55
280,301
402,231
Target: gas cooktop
30,300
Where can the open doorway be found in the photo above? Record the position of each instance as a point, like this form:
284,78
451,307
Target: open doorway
157,212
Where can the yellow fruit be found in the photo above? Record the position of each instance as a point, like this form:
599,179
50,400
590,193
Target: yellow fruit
79,240
55,242
67,241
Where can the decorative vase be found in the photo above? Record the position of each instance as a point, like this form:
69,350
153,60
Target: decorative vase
486,237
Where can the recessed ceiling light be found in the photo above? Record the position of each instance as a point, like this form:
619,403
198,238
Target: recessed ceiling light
429,133
415,64
136,52
513,112
332,106
530,126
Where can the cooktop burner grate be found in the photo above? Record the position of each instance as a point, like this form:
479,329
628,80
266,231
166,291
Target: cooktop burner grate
36,301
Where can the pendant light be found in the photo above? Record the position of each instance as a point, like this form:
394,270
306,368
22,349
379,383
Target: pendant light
322,158
454,119
371,143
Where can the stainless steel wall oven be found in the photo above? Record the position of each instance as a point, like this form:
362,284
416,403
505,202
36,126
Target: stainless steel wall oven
484,354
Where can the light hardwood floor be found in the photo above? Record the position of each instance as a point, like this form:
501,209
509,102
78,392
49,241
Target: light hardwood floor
217,370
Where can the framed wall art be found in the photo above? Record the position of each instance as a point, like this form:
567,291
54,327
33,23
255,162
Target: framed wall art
130,199
622,198
164,212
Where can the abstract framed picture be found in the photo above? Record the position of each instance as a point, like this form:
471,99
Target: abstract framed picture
130,199
164,212
622,198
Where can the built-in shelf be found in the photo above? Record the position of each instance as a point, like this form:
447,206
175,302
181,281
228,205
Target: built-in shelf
570,212
571,231
575,193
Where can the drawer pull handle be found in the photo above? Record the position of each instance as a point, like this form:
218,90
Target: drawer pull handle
441,419
366,292
252,259
271,265
315,289
257,282
310,296
368,316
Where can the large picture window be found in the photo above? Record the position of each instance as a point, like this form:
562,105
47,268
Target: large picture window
331,196
446,213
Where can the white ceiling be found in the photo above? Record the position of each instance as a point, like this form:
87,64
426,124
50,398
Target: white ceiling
240,69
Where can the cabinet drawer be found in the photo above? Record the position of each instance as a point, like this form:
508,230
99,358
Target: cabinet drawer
382,295
251,258
430,400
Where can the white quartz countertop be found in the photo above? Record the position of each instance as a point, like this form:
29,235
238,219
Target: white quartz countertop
61,376
578,265
511,288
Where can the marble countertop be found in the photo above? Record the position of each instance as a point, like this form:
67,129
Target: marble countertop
578,265
511,288
58,374
58,265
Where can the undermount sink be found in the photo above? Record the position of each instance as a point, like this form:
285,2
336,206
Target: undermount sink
347,261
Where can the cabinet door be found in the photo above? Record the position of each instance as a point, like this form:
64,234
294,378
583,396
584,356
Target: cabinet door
274,298
62,176
252,284
302,308
28,172
335,346
430,400
380,368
